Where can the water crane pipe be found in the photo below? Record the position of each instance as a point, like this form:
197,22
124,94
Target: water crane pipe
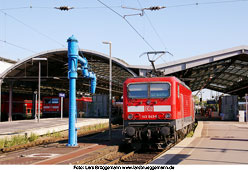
73,59
84,64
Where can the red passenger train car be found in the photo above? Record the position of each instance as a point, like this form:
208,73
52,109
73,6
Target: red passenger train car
21,108
158,109
52,105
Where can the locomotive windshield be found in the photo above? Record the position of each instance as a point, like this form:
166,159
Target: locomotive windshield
138,91
159,90
149,90
55,100
51,101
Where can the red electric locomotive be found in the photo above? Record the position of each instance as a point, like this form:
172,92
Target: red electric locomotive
51,105
156,110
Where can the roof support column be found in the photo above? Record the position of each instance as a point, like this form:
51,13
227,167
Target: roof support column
34,104
10,101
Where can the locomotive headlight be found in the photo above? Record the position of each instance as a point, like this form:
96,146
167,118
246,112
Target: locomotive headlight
161,116
130,116
137,116
168,115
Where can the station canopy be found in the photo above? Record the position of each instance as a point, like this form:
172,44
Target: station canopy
54,74
224,71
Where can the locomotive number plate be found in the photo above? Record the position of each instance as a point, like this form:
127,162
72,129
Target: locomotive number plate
149,116
152,116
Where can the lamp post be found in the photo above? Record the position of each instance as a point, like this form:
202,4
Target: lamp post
39,59
110,87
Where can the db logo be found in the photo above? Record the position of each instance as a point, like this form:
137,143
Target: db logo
149,108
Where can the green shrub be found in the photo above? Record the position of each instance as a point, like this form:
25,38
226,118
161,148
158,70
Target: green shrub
33,137
48,134
15,140
56,134
2,141
190,134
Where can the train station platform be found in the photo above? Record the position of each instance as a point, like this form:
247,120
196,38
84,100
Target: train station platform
44,126
214,142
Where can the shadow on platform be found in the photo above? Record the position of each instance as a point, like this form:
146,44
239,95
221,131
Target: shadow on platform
199,117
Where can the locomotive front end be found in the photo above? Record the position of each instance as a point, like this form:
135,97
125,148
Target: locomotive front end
147,107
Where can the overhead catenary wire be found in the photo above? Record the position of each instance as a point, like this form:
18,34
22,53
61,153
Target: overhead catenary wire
95,7
32,28
17,46
206,3
155,8
16,8
52,8
5,26
127,23
154,29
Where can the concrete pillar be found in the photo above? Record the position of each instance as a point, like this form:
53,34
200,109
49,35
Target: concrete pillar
33,104
10,101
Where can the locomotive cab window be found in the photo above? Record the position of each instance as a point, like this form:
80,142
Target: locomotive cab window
47,101
55,100
159,90
149,90
138,91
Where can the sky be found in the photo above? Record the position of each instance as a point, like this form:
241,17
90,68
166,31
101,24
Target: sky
184,31
182,28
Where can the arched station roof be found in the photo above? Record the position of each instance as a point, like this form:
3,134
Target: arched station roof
5,64
24,74
224,71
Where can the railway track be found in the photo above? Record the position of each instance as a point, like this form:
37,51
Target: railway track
139,157
144,157
94,149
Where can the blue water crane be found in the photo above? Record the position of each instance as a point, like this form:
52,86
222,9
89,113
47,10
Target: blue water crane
73,59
